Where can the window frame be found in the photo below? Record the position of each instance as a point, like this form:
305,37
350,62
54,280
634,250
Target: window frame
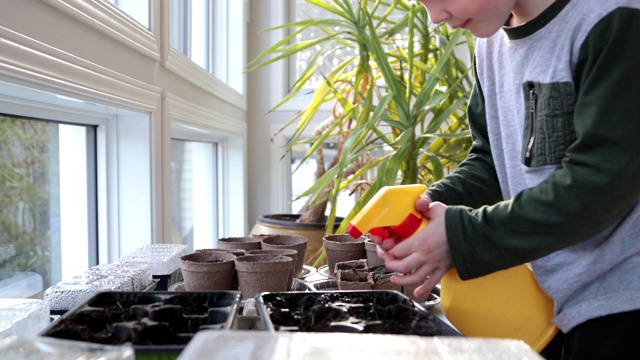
208,78
35,58
113,188
191,122
41,67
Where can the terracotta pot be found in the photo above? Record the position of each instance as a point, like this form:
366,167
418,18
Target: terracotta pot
342,247
373,259
354,280
293,254
208,270
262,273
286,224
295,242
246,243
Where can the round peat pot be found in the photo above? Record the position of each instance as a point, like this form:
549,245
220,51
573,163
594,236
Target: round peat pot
286,224
208,270
262,273
293,254
371,249
295,242
342,247
246,243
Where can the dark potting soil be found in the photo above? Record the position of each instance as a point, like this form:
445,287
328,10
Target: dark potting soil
146,318
388,312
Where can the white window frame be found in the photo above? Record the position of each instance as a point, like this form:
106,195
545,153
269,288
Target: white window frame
110,20
123,224
38,66
32,61
184,67
281,166
135,10
194,123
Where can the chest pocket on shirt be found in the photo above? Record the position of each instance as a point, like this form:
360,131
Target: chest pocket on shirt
549,127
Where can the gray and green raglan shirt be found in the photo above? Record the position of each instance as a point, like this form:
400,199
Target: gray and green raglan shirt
553,176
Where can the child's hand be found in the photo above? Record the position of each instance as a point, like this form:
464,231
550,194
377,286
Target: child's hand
424,255
384,245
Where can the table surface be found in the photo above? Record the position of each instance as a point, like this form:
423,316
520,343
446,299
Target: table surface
259,345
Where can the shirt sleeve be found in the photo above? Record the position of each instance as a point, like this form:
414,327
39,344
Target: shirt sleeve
599,178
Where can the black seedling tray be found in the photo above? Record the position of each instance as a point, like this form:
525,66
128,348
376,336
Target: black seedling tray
376,311
153,322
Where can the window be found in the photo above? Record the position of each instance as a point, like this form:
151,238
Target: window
332,56
303,177
100,94
193,193
137,9
73,176
47,193
207,32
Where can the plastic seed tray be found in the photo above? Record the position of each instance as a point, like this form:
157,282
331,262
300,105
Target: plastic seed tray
376,311
156,323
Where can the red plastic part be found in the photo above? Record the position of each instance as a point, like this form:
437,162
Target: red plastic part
353,231
380,232
407,227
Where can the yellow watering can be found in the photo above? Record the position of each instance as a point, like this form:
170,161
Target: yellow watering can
504,304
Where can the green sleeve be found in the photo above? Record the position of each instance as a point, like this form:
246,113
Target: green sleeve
474,182
599,178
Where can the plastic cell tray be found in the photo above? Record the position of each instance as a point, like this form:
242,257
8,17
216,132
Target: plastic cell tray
376,311
156,323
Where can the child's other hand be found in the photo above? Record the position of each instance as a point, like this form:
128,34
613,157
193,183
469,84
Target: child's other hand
424,255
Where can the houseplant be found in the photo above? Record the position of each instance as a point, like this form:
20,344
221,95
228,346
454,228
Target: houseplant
398,102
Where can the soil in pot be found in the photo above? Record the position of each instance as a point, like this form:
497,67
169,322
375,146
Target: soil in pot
387,312
293,254
352,265
262,273
208,270
246,243
236,252
295,242
354,280
342,247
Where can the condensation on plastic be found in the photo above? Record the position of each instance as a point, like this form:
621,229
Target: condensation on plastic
41,348
133,272
162,258
23,317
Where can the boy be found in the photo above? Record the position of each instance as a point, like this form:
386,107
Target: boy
553,176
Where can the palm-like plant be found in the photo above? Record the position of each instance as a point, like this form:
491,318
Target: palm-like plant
398,103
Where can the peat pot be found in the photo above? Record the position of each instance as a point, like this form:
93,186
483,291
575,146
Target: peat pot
286,224
292,242
208,270
260,273
293,254
342,247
